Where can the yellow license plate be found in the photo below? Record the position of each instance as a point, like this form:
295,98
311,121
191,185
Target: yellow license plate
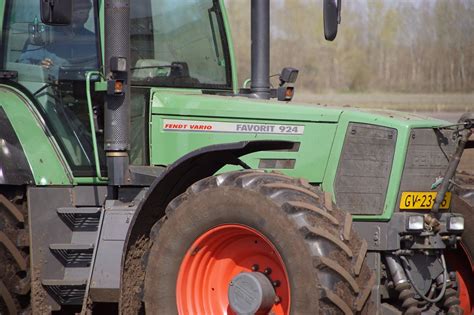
422,200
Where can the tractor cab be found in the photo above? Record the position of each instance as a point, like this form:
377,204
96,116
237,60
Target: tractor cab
172,45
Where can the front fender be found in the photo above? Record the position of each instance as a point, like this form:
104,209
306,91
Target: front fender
177,178
184,172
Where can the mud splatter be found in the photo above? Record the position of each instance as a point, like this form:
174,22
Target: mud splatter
134,277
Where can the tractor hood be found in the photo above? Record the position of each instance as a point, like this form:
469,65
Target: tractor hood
185,120
192,104
200,105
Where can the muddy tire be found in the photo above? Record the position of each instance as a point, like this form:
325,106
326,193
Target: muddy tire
323,257
14,262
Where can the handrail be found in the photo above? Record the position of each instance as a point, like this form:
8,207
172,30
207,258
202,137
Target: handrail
91,121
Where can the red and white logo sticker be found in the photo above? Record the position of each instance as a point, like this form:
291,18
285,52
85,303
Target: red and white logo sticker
231,127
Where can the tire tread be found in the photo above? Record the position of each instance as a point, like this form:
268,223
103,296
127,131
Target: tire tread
320,223
310,204
15,282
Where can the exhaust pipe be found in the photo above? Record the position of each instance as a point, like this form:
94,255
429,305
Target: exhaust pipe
117,101
260,35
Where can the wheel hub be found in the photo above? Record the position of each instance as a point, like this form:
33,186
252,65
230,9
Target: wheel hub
232,254
251,292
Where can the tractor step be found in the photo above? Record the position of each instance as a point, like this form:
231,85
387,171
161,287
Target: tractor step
73,255
66,291
80,218
77,256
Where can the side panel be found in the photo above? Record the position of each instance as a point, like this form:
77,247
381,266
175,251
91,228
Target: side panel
42,155
307,158
182,123
364,168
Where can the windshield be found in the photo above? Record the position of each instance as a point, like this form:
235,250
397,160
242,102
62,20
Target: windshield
179,44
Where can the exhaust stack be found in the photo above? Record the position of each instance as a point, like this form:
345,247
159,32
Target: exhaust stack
260,51
117,102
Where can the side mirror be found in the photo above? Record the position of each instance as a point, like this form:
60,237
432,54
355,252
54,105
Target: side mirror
56,12
331,17
288,75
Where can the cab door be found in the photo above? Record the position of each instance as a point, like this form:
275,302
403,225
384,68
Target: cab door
52,63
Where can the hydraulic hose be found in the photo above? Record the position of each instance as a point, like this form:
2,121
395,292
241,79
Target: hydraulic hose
445,280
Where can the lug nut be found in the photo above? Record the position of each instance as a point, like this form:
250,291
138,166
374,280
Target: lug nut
276,283
277,299
255,267
267,271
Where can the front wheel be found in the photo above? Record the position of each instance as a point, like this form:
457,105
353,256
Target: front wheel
254,242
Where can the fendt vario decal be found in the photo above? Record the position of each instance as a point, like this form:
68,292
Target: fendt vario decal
231,127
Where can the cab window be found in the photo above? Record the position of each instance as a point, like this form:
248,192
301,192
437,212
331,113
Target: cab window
179,44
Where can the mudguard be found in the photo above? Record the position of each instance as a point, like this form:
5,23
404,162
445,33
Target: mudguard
183,173
14,167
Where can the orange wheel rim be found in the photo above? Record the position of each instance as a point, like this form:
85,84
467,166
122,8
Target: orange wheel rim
215,258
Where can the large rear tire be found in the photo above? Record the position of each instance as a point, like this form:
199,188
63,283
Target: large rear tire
198,246
14,263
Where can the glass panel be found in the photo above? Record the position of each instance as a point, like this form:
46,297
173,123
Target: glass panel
139,121
178,44
51,62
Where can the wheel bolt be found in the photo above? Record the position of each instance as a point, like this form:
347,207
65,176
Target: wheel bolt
255,267
267,271
277,299
276,283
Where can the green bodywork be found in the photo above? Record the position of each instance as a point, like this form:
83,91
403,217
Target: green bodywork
45,160
316,159
321,144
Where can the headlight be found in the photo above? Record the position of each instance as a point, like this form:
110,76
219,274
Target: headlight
456,224
415,223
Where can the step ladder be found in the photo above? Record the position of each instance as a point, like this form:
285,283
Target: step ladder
76,256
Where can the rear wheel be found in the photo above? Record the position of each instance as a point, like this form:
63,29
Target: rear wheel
14,275
265,233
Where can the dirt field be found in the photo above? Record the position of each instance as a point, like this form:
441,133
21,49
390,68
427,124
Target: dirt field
397,101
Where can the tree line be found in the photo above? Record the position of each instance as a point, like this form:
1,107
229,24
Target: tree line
391,46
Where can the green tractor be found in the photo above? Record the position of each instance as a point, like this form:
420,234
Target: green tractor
136,176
